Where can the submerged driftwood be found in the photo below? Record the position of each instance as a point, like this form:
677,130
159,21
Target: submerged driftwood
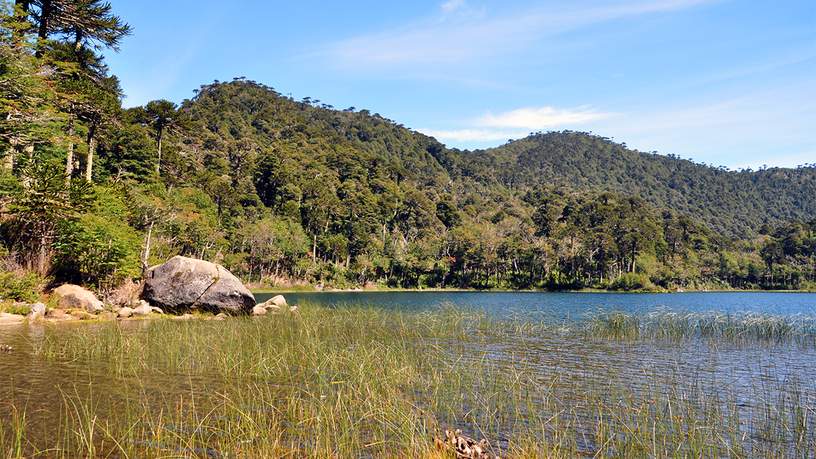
464,447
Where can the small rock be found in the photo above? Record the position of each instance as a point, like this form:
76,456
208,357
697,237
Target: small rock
277,300
37,311
274,304
6,348
74,296
142,310
183,317
272,308
259,311
156,310
221,316
125,312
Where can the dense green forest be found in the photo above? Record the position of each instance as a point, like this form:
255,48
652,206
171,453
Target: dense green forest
735,204
284,191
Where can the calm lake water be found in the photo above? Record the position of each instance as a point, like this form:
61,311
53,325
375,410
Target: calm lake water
569,306
742,374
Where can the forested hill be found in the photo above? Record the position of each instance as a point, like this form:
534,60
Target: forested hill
260,118
284,191
733,203
307,135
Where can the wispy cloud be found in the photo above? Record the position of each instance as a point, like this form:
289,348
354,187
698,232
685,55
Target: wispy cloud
452,5
534,118
471,136
517,123
773,126
454,40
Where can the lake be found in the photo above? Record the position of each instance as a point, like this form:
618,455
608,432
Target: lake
62,374
568,306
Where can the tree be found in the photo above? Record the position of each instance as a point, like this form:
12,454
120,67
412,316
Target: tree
162,116
44,203
90,23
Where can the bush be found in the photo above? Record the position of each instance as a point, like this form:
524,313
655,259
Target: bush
97,249
631,281
20,286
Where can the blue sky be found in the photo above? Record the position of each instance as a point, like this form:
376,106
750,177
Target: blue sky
725,82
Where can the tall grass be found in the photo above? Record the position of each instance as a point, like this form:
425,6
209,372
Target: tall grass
356,382
745,328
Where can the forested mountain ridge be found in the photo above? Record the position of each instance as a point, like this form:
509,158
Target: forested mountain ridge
733,203
285,191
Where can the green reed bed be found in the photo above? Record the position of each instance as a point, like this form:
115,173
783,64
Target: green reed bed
746,328
365,382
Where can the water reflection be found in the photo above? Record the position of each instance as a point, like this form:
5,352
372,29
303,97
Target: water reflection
559,306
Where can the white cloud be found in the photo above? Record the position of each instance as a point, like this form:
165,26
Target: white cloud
516,123
773,126
465,136
452,5
534,118
747,130
449,41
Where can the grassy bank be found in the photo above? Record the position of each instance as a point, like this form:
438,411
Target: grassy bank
366,382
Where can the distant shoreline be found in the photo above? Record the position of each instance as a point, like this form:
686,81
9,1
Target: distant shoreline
472,290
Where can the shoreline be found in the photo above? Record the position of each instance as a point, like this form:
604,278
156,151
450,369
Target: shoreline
272,290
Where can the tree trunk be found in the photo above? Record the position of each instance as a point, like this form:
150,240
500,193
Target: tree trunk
314,249
77,40
91,152
46,11
42,260
159,148
146,251
69,159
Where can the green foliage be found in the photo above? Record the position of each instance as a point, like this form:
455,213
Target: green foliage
282,190
631,282
733,203
20,286
99,246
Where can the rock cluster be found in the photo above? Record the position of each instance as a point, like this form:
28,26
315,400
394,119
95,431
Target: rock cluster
180,286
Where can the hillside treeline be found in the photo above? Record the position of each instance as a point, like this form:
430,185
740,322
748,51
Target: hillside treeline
284,191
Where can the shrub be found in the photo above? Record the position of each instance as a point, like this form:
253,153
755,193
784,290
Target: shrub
631,281
97,249
20,286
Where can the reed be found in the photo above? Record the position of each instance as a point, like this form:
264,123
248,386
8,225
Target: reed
353,382
664,324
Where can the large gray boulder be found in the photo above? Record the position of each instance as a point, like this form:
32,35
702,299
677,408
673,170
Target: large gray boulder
183,284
